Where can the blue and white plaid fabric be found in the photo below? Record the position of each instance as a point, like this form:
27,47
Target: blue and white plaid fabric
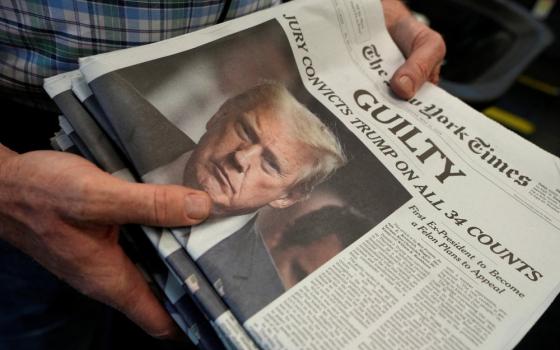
41,38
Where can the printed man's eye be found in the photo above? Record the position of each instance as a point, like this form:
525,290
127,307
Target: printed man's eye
271,167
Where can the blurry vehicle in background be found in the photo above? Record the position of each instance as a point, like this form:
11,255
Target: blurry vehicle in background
489,44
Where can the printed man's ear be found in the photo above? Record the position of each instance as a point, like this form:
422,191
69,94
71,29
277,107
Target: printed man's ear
287,200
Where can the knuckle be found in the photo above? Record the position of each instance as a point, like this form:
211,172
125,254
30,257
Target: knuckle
423,36
159,207
113,288
422,69
432,39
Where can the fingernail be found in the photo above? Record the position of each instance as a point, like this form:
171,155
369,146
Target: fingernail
406,85
197,206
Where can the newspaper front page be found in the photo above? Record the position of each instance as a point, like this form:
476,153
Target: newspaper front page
343,216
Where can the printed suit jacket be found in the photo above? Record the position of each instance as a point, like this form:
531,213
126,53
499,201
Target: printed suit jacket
242,271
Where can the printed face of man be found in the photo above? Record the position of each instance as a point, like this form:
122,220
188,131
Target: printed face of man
246,160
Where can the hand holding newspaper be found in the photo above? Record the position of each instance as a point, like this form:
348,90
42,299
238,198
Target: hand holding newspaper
343,217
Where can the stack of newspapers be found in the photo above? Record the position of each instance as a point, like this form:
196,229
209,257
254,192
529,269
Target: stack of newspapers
343,217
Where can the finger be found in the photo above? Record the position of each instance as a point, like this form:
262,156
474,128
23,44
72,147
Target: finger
141,306
129,293
115,201
426,54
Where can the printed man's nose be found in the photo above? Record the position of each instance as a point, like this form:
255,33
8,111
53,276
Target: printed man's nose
245,156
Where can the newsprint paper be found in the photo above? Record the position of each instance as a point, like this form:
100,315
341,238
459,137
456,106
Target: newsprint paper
343,217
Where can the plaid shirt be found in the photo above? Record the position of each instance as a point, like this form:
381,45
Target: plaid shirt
41,38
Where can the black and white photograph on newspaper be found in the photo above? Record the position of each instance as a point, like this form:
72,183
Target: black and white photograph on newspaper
291,186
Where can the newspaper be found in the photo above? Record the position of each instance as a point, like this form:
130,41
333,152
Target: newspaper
343,216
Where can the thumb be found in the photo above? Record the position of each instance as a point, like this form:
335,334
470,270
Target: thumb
116,201
425,50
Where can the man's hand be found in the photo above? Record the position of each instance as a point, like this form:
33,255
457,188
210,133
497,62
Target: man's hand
423,48
65,213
